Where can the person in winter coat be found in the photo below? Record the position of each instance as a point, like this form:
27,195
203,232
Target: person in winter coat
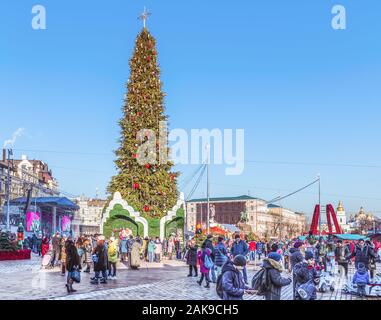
170,248
130,243
135,260
100,265
145,248
158,250
260,249
362,254
321,248
341,252
240,247
63,257
151,251
372,259
305,272
72,263
203,268
191,258
233,284
56,243
276,281
361,279
252,250
88,251
44,246
330,257
123,249
34,243
208,243
178,248
295,258
112,258
39,245
221,255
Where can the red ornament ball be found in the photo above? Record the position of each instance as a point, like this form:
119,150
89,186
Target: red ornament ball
146,208
136,186
147,166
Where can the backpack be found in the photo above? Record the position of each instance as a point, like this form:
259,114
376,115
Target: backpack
260,282
219,289
224,258
306,290
208,263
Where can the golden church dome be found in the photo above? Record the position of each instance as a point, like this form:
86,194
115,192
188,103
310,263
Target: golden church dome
340,207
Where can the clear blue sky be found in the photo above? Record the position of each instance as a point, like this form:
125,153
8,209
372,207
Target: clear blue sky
302,91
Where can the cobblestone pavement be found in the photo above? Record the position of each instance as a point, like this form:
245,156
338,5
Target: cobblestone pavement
23,280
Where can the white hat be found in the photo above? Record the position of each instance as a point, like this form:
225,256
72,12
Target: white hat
101,238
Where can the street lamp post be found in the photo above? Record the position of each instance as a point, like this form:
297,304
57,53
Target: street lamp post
319,204
8,187
208,187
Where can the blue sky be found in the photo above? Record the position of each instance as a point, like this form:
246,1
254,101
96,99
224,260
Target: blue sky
302,91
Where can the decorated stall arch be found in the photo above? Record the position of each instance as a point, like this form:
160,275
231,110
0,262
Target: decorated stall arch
177,214
120,213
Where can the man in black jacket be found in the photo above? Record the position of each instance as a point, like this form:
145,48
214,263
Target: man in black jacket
341,252
276,281
362,254
296,257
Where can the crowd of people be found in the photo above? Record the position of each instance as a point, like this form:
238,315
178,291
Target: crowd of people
225,261
219,260
100,254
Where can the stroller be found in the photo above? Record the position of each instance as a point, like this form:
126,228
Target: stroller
372,289
47,260
327,282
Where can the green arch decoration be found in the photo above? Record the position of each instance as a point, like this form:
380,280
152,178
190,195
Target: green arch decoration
120,218
176,223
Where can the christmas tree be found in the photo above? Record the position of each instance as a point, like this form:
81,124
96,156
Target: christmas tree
149,186
5,243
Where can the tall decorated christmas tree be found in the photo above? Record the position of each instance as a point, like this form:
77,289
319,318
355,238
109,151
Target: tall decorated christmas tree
144,179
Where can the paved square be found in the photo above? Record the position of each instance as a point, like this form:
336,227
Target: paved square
25,280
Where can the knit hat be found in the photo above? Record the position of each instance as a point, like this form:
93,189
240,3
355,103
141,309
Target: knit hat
361,266
239,261
309,255
298,244
275,256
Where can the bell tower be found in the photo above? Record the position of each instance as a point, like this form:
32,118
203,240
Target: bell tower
341,216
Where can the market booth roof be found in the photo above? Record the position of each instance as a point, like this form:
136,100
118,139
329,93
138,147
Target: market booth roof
350,237
59,202
344,237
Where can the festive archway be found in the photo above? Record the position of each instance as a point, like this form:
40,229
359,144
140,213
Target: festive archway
118,222
119,207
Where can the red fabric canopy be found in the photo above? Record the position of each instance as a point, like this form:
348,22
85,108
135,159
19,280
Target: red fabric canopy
218,231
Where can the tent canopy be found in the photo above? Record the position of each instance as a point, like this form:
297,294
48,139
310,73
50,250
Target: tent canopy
59,202
231,228
350,237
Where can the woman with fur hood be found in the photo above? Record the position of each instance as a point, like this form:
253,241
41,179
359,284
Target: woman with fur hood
275,279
